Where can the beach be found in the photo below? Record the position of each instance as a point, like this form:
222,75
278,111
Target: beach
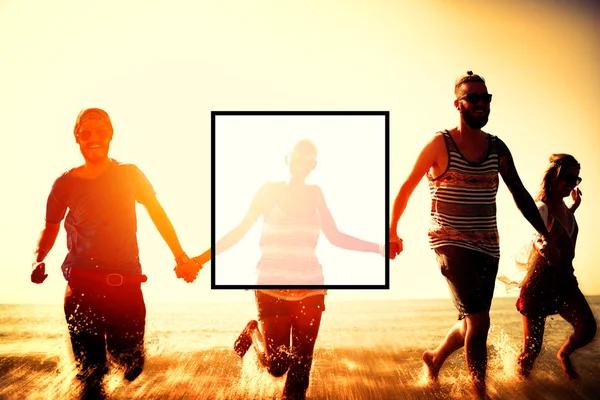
365,350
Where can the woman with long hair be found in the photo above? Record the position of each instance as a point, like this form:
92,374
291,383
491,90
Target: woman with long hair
294,214
551,287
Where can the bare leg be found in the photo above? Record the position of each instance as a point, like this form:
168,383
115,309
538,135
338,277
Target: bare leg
455,339
272,346
478,326
577,312
533,336
305,328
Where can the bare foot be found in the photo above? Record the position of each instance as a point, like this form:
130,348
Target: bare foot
523,369
432,368
523,374
565,362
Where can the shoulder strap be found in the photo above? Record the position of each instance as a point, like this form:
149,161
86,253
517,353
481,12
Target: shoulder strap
493,143
547,217
450,145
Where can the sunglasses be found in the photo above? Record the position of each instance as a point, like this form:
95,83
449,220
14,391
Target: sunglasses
573,179
473,98
87,134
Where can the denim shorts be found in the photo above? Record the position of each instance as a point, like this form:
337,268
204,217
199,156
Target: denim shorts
471,277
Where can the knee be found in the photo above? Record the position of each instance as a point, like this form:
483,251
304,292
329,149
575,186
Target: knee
587,332
478,325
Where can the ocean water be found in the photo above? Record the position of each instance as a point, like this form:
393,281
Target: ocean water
365,350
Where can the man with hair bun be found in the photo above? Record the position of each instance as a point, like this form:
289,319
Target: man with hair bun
462,167
104,306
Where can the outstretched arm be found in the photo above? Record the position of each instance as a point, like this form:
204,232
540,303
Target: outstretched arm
44,245
523,199
259,205
163,225
426,159
333,234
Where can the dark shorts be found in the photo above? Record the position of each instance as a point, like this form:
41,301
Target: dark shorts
471,277
106,320
547,291
269,306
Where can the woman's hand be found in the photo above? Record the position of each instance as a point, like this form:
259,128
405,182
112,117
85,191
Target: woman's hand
576,196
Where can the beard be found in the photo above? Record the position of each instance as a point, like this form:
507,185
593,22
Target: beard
474,121
97,156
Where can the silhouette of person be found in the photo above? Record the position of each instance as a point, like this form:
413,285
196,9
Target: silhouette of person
104,306
551,287
462,166
294,214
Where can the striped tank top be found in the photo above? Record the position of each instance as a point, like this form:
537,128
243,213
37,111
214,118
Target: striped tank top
287,246
463,201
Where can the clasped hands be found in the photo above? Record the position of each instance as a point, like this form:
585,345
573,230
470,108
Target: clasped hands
548,250
396,245
187,269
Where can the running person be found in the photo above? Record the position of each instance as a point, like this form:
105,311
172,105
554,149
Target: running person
552,287
104,306
462,166
294,214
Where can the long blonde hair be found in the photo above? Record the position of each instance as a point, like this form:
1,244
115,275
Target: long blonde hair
554,170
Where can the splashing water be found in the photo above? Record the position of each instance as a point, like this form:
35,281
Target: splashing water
255,382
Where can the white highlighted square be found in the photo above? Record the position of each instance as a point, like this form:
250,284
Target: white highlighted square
249,150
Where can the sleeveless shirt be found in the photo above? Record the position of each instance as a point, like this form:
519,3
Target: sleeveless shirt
463,201
287,246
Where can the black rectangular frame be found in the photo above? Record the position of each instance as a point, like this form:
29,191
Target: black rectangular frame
213,239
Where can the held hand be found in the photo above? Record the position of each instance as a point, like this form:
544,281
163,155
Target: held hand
188,271
549,251
576,196
38,274
395,248
396,244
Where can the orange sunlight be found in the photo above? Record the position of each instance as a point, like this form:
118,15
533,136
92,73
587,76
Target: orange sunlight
160,68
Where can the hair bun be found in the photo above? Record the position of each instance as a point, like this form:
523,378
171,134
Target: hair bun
469,73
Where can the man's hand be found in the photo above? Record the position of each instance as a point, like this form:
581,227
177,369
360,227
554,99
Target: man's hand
38,274
396,245
188,270
393,250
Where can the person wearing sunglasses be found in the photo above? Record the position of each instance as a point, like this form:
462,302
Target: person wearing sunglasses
294,214
462,167
551,287
104,306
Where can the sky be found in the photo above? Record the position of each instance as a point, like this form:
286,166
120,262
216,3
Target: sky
160,67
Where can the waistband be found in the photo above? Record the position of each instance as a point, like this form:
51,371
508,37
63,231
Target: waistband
86,277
